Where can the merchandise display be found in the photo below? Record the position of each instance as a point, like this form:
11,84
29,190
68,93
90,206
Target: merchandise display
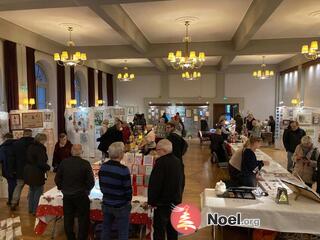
190,115
83,126
39,121
308,118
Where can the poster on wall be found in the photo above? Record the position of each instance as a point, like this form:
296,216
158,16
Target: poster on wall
17,134
98,118
316,118
81,121
32,120
304,118
188,113
48,116
15,121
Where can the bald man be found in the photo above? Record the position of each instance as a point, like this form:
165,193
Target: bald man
75,179
165,189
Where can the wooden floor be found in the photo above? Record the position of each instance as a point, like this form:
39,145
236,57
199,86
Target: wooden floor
200,174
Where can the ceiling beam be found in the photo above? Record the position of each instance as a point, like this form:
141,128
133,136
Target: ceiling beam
257,14
115,16
223,48
12,5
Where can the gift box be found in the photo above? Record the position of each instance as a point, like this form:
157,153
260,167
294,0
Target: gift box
139,180
142,170
148,160
135,169
138,159
142,191
130,158
148,170
146,180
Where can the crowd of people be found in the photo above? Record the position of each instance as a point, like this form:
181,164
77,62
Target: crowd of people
24,161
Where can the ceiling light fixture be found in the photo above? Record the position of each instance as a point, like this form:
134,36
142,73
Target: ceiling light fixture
186,60
191,76
312,52
69,58
263,73
125,76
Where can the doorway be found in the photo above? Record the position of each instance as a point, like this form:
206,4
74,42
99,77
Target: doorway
228,109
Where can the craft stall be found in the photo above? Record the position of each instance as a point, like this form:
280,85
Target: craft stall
264,205
307,117
50,207
83,126
39,121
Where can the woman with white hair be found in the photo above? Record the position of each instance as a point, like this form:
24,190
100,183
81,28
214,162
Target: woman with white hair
305,160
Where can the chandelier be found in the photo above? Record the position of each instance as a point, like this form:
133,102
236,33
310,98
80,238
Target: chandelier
69,58
263,73
312,52
125,76
186,60
191,76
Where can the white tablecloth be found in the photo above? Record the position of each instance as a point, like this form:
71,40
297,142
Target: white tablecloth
300,216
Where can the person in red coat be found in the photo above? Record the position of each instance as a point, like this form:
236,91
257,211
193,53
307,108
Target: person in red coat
62,150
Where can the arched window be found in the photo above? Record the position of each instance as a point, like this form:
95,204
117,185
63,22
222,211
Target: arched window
77,89
42,87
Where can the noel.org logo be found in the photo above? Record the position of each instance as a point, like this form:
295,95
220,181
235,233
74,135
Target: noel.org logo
185,218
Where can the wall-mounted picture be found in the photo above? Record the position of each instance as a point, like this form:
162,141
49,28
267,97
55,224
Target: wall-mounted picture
32,120
98,118
15,121
130,110
17,134
304,118
48,116
188,113
316,118
310,132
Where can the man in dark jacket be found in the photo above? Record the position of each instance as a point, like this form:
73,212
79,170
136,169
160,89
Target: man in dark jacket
75,179
165,190
7,162
20,158
291,140
113,134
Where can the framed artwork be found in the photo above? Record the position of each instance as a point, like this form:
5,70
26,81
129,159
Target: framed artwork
316,118
304,118
130,111
188,113
15,121
17,134
32,120
148,160
98,118
138,159
48,116
310,132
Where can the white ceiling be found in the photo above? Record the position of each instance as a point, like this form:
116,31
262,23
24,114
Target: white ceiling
292,20
132,62
93,30
218,20
257,59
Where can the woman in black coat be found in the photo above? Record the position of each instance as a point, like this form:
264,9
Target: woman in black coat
35,170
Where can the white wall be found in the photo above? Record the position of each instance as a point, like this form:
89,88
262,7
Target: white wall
206,87
288,87
259,96
133,93
312,86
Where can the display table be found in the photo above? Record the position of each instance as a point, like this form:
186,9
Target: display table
299,216
51,207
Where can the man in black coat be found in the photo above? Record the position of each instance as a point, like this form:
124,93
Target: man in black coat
7,162
291,139
20,148
165,190
75,179
113,134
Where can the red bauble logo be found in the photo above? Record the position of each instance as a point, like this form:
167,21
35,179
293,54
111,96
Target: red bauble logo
185,218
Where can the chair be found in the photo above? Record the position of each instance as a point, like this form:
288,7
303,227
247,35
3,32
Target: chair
203,138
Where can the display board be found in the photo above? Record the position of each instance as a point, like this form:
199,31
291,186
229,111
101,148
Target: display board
130,112
190,115
83,126
39,121
308,118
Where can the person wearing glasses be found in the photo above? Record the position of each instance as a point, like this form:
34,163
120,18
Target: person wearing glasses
165,190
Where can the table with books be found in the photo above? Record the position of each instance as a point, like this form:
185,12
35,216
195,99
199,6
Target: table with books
285,218
51,202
